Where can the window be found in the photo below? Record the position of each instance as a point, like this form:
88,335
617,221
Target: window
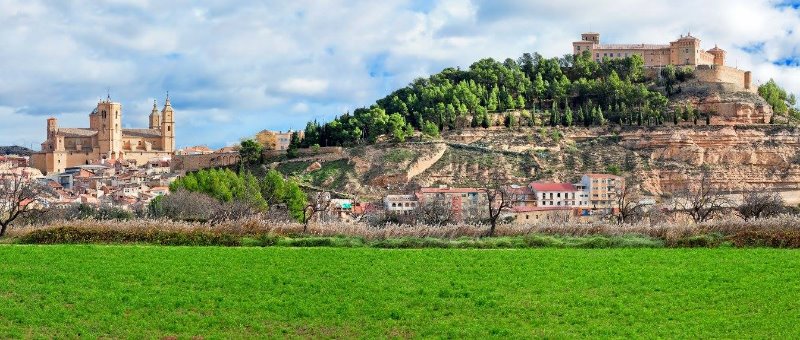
687,50
577,48
597,55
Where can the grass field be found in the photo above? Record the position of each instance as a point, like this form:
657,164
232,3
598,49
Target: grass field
150,291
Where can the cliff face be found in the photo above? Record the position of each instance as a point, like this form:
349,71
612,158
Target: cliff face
727,104
740,158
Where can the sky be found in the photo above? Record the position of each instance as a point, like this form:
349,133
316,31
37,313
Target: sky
235,68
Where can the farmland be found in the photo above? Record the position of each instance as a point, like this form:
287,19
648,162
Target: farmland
159,291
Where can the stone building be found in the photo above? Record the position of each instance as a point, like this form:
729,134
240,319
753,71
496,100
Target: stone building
685,51
709,66
105,139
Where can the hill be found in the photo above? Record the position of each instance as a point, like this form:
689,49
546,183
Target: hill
15,150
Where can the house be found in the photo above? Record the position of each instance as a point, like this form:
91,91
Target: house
529,214
400,204
554,194
462,201
602,190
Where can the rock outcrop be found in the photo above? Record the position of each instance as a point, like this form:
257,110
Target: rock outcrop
727,104
739,158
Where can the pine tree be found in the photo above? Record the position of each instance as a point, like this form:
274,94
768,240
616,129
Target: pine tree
568,117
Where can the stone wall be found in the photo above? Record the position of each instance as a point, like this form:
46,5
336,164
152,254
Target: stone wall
188,163
723,74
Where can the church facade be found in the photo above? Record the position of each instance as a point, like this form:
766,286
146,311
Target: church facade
105,139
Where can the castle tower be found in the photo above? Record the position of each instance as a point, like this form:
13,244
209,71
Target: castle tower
587,43
52,127
592,37
685,51
719,55
53,143
155,117
109,134
168,127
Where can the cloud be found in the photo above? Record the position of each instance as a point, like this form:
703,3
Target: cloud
304,86
234,70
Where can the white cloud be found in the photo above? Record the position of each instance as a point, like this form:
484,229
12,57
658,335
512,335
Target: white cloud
304,86
300,108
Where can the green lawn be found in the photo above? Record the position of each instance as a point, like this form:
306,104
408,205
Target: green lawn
150,291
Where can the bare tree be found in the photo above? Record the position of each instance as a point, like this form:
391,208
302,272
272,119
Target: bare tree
19,197
498,198
630,206
318,202
757,205
436,212
701,200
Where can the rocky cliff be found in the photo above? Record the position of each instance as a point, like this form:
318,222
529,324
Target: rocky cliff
727,104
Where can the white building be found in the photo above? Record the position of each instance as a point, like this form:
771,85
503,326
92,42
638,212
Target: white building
402,204
555,194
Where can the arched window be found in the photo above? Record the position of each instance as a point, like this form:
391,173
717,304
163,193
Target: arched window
104,114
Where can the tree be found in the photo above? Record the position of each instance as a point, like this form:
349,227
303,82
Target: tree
757,205
19,197
775,96
498,199
630,205
294,144
701,200
434,212
430,129
250,152
568,117
318,202
296,202
267,139
273,187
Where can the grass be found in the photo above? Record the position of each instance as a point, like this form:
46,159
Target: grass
213,292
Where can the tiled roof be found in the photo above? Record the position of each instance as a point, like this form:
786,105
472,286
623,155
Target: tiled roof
539,186
76,132
630,47
449,190
519,209
141,133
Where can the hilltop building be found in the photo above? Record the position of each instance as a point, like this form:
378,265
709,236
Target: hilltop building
685,51
106,140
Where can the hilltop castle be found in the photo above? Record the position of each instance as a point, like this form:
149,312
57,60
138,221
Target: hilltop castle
709,65
105,139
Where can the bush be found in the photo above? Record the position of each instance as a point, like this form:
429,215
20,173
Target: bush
73,235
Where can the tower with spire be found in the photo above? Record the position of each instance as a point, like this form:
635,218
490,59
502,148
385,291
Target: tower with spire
168,126
155,117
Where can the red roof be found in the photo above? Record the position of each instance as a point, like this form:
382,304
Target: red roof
520,209
603,176
449,190
539,186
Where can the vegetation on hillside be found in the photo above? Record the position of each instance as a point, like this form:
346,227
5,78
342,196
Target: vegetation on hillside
573,90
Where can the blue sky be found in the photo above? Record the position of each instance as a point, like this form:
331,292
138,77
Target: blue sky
232,70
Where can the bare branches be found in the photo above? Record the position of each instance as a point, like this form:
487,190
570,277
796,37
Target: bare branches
499,199
18,197
757,205
318,202
630,206
701,200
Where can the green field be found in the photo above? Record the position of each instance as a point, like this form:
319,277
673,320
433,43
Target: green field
151,291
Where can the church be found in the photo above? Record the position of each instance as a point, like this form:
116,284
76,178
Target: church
105,139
